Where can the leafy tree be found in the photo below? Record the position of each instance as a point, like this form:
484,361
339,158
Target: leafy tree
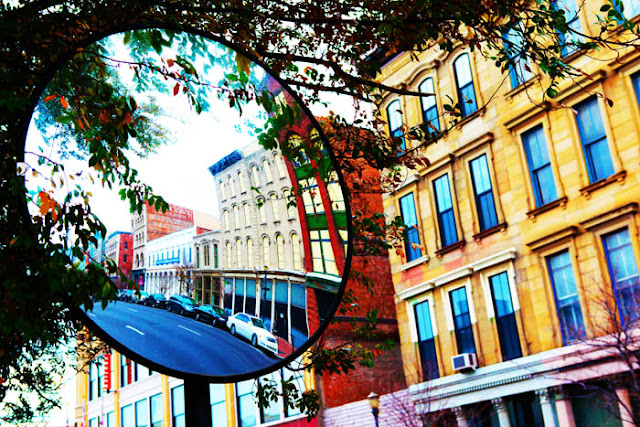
335,46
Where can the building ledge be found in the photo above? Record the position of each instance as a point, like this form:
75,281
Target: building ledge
415,262
490,231
450,248
562,202
618,177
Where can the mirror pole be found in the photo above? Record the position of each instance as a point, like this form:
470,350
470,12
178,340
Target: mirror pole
197,406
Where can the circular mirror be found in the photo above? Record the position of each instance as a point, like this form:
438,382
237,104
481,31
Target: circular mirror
207,195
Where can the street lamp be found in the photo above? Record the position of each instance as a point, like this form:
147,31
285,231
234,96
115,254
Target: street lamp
374,402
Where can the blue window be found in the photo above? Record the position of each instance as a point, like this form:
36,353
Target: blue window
127,416
408,212
568,41
426,341
629,8
429,106
623,270
462,321
394,113
142,413
464,85
535,148
156,410
444,205
483,193
594,140
505,317
566,296
519,70
177,406
636,85
218,405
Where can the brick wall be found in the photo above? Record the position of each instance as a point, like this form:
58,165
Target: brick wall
162,223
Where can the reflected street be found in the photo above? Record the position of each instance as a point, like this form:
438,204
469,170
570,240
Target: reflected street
179,342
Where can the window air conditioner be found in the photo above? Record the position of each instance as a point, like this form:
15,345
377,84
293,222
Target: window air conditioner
465,362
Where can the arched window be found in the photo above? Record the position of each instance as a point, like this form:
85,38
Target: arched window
429,106
290,203
236,215
267,170
239,260
282,169
229,258
232,186
295,246
223,193
247,214
274,207
225,217
464,85
265,251
215,256
280,251
255,177
262,211
394,114
250,255
242,182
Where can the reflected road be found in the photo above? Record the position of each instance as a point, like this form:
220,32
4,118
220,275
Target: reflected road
177,342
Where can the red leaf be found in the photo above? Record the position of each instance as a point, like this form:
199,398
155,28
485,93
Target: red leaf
50,98
176,89
64,102
170,62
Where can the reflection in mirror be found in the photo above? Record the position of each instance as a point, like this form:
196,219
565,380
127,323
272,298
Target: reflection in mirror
240,259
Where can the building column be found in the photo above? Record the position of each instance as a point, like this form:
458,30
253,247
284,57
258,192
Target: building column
501,409
564,411
544,396
624,406
460,417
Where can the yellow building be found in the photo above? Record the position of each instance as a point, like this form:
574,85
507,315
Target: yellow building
524,231
140,397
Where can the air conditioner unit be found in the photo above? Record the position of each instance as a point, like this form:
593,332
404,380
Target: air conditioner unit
465,362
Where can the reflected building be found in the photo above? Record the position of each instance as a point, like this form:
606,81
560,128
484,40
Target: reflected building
151,224
259,252
118,248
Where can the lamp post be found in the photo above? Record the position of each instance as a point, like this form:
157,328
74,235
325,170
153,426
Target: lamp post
374,402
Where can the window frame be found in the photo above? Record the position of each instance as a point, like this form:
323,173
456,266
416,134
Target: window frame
500,220
398,131
561,199
417,225
415,337
466,285
423,112
518,74
436,175
458,92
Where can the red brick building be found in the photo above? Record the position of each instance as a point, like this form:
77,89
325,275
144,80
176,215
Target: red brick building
119,247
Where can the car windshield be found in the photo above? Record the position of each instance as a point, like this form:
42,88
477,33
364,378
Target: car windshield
258,323
189,301
157,296
219,311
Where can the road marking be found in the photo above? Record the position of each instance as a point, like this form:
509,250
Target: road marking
131,309
190,330
91,314
134,329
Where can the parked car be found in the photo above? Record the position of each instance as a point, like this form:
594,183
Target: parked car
140,299
155,300
252,328
210,314
182,305
126,295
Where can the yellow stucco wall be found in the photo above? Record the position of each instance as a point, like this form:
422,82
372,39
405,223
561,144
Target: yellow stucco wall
576,223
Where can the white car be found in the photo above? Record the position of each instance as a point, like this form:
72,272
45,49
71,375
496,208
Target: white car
252,328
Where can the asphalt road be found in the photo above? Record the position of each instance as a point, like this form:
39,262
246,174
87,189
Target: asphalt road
177,342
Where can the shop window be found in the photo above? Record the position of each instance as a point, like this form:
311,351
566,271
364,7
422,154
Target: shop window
142,413
218,405
155,403
177,407
127,416
245,404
